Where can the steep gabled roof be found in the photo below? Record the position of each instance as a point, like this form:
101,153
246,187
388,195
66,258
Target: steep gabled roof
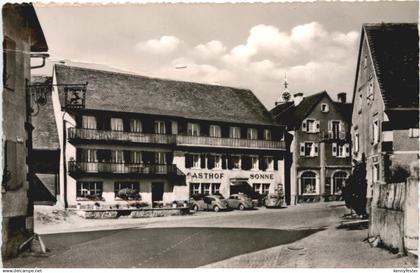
292,115
44,135
395,55
113,91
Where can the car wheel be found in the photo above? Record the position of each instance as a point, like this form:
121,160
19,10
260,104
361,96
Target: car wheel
195,208
216,208
241,207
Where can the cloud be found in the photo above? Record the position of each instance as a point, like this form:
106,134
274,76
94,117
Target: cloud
212,49
164,45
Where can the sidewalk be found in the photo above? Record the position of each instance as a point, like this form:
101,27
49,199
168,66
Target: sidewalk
331,248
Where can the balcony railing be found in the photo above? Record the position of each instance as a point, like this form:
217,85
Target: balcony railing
335,135
229,142
93,134
77,167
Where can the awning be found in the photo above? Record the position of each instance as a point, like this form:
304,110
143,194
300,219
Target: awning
238,181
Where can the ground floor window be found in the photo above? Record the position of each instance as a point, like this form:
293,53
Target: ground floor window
127,190
89,190
339,180
308,182
204,188
261,188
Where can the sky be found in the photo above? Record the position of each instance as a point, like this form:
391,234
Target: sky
249,46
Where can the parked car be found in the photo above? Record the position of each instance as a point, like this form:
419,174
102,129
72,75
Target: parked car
274,201
209,202
240,201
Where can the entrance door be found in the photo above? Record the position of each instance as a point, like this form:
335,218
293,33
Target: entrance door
157,192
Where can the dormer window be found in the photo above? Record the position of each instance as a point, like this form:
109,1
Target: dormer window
324,108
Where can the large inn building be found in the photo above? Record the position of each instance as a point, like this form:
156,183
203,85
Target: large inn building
168,139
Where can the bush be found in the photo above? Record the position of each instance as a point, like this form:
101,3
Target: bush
354,191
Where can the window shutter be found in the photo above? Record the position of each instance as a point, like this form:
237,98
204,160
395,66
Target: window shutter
169,158
126,157
318,126
334,149
302,149
246,162
224,162
304,127
187,161
347,147
15,161
210,162
260,162
264,164
316,149
230,162
203,161
275,163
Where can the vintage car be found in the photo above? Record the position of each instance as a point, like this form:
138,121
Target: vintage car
209,202
240,201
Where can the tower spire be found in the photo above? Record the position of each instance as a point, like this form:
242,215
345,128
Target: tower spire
285,94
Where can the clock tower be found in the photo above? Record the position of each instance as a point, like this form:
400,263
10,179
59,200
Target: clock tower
285,94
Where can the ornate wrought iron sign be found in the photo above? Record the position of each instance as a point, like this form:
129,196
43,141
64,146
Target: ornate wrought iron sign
74,95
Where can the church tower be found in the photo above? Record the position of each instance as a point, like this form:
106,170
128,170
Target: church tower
285,94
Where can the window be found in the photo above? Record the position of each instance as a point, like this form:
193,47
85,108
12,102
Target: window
356,142
9,63
88,155
269,162
308,149
196,163
117,124
205,188
117,156
193,129
126,185
339,181
375,173
375,131
267,134
160,158
413,132
254,162
256,187
90,190
136,126
235,132
194,188
88,122
365,62
215,131
236,161
135,157
308,183
324,108
252,133
265,188
335,129
360,103
217,161
310,126
160,127
341,150
215,188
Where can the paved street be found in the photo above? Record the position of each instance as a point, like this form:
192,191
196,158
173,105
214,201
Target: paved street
189,241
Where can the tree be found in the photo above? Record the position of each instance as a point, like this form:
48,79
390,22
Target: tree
354,191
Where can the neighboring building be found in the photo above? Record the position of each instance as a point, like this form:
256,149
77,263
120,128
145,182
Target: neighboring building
167,139
23,37
385,117
320,147
46,149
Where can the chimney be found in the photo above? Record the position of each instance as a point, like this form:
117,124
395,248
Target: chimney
341,97
297,98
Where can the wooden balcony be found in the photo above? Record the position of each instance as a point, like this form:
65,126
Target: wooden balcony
120,136
98,168
201,141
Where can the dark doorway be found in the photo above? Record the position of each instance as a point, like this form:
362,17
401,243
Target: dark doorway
157,192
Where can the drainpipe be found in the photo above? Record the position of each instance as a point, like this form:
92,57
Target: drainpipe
64,162
39,55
